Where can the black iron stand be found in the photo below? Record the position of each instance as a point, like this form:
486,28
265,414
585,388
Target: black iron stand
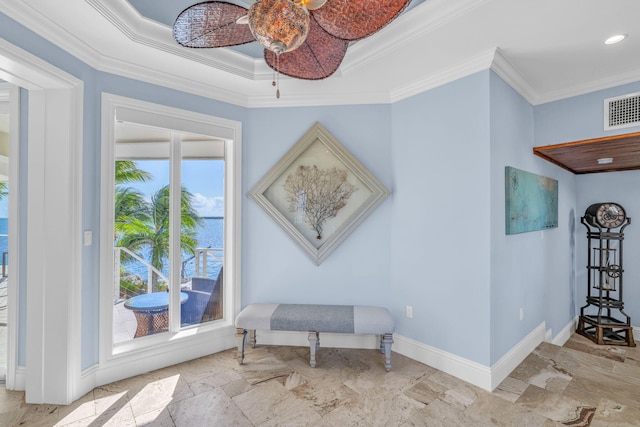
604,290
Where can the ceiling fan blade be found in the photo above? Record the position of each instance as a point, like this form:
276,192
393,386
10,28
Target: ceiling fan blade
317,58
211,24
356,19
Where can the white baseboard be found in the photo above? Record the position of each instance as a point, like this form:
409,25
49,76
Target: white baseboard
20,379
566,332
507,363
467,370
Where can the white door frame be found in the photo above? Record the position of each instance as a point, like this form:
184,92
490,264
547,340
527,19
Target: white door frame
10,97
54,222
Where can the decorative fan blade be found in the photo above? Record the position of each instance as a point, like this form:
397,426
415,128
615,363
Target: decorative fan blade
212,24
317,58
356,19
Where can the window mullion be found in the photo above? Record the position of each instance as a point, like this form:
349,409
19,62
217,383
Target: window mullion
175,255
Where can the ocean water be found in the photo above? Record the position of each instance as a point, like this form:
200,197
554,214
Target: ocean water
4,230
210,236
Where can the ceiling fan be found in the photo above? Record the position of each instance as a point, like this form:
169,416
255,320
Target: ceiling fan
303,39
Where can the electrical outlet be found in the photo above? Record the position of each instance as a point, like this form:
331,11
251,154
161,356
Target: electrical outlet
410,312
521,313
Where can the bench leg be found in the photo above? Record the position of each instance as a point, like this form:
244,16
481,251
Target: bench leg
387,340
240,334
252,338
314,343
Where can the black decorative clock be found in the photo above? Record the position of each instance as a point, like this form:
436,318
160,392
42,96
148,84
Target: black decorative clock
605,224
606,215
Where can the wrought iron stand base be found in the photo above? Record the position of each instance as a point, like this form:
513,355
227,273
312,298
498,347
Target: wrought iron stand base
609,331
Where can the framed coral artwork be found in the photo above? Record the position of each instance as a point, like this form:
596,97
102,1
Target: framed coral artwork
318,193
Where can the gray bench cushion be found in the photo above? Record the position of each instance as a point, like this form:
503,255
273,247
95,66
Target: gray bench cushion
320,318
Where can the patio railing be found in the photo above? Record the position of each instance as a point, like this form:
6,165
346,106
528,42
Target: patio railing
200,259
202,255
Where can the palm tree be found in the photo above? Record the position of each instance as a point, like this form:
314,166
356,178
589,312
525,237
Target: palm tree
4,190
151,230
129,202
127,171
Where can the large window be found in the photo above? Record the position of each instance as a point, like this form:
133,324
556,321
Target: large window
171,229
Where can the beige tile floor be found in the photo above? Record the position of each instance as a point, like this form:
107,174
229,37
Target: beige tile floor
580,384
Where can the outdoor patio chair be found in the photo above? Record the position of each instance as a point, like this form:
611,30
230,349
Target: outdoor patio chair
205,301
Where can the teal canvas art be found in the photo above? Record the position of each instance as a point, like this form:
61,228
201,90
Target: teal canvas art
531,201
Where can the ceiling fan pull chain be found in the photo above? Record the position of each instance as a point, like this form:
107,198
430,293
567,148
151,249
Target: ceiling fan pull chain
277,82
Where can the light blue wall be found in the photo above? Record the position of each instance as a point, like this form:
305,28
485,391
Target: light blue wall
532,271
440,217
579,118
274,268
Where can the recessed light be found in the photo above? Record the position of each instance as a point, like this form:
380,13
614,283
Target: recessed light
615,39
605,160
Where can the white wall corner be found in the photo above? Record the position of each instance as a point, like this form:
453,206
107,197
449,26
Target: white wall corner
548,335
507,363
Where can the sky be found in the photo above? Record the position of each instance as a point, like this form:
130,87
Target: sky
203,178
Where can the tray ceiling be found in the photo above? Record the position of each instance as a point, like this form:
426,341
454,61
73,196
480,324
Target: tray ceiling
543,48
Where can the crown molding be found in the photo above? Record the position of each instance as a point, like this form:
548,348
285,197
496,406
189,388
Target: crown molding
180,83
141,30
513,77
473,65
30,18
606,83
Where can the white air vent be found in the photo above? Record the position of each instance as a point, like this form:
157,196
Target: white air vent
622,111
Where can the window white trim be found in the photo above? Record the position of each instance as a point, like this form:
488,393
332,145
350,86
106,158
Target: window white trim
143,354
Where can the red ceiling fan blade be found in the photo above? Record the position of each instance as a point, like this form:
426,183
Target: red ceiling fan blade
356,19
211,24
317,58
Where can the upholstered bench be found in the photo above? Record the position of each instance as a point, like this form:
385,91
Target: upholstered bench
350,319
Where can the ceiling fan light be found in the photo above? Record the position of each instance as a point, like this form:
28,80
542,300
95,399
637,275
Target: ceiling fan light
279,25
311,4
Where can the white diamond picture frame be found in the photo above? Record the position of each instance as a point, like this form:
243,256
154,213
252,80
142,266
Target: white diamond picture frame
318,193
